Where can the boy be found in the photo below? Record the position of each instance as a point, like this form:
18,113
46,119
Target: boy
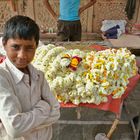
69,25
27,107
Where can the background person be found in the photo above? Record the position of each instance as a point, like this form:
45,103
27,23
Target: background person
69,25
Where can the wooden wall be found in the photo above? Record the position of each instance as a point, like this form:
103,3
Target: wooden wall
91,18
138,13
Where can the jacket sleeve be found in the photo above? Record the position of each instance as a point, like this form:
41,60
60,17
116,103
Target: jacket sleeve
49,97
16,122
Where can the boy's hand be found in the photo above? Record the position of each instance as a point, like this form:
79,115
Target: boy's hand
43,106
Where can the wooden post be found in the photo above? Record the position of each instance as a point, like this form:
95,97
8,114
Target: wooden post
138,11
90,20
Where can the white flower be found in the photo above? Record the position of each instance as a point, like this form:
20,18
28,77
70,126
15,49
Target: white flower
64,62
98,75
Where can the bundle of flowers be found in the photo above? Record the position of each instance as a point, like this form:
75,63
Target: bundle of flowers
78,76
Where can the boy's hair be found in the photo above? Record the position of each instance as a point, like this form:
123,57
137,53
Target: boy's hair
21,27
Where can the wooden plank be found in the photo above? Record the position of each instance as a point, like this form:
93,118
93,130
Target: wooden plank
138,17
126,40
78,122
25,8
90,19
137,11
30,9
83,17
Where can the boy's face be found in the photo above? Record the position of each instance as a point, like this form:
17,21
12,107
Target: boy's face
20,52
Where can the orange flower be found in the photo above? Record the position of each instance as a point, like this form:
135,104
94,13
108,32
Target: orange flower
74,62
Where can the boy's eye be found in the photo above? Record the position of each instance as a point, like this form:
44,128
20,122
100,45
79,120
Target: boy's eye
16,47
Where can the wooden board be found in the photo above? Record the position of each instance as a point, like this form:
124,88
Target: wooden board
126,40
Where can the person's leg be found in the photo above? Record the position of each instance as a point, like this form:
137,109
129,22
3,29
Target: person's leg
75,31
62,31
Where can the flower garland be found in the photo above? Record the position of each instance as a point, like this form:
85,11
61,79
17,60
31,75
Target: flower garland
86,77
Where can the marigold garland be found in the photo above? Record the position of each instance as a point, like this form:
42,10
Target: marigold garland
86,77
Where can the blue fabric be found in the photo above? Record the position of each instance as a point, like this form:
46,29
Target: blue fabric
69,10
112,32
